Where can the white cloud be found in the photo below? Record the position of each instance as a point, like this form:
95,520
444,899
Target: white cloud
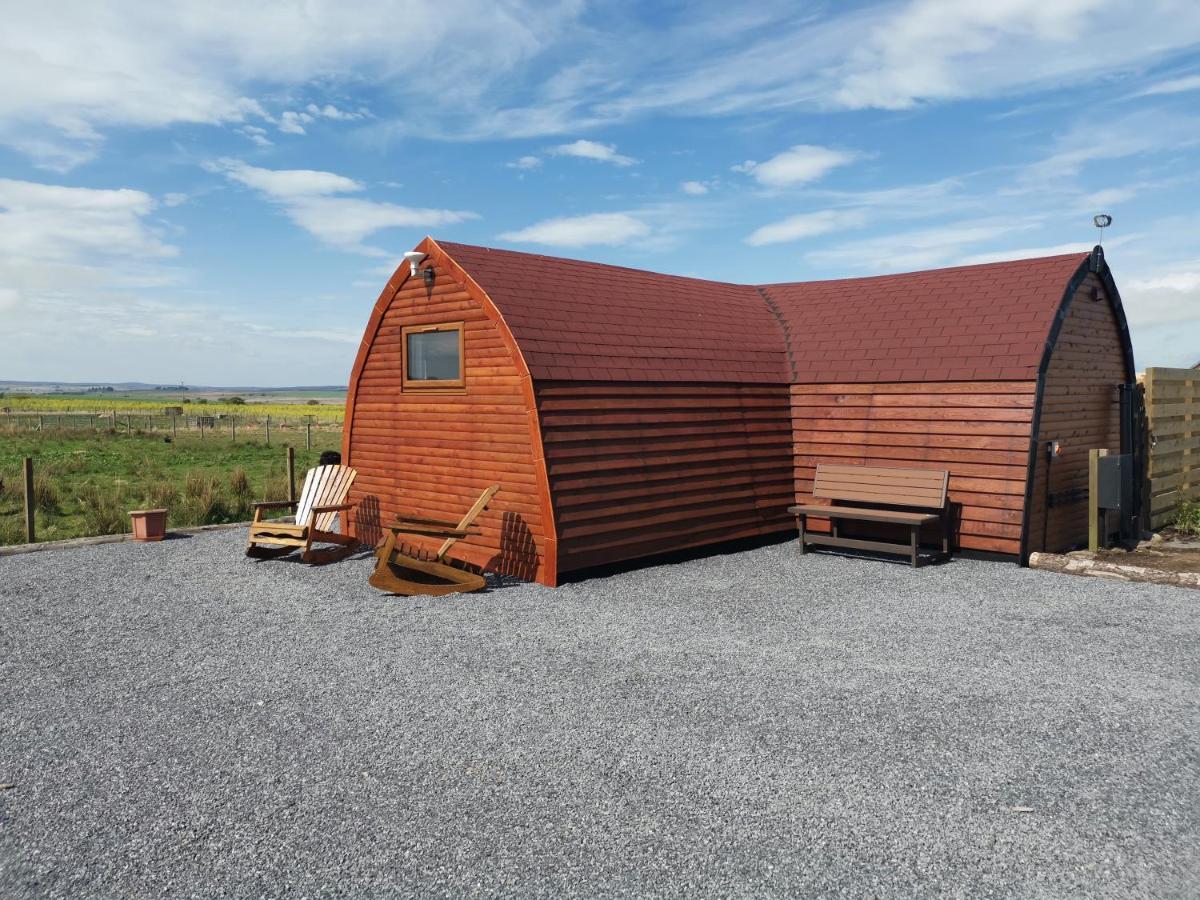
805,225
695,188
1163,299
285,184
525,162
311,199
580,231
992,256
74,69
1109,197
592,150
797,165
920,249
329,111
51,223
929,49
1173,86
292,122
1140,133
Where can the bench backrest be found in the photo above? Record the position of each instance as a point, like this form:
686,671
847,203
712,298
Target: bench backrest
924,488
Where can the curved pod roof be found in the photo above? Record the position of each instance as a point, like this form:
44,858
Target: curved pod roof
585,321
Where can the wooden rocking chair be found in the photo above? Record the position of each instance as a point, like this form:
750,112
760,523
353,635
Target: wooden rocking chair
323,497
411,573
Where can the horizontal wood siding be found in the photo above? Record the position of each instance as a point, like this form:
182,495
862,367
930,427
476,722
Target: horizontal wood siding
637,469
433,453
1081,408
1173,408
978,431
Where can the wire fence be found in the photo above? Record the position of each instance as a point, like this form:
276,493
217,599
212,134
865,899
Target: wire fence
233,426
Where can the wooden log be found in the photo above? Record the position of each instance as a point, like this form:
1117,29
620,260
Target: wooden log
1082,565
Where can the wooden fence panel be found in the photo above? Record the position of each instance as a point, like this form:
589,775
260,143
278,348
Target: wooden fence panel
1173,408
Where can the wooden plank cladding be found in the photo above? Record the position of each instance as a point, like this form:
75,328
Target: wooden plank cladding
978,431
430,452
637,469
1080,409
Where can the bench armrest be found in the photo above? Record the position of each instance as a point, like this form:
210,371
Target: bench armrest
336,507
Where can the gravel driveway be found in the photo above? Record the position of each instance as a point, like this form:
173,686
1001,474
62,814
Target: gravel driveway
177,719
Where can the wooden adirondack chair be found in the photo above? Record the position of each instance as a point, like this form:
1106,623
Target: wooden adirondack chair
322,498
411,573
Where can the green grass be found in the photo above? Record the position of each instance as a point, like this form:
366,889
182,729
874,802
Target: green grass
85,482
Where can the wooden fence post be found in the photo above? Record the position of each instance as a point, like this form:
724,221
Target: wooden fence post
29,500
268,431
233,427
1094,535
291,472
308,435
174,432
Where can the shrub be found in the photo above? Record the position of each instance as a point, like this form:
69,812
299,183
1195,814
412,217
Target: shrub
161,495
203,500
45,494
12,530
1187,518
242,493
102,513
276,486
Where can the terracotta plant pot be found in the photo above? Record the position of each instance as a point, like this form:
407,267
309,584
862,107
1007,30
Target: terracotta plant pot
149,524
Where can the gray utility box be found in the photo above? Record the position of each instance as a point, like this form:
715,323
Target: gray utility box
1115,482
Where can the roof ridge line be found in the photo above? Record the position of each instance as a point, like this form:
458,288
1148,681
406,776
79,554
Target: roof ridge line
777,314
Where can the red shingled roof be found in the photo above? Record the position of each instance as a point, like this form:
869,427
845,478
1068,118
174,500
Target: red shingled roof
579,320
586,321
982,323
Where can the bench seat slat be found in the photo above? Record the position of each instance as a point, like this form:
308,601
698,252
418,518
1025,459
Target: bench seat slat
870,515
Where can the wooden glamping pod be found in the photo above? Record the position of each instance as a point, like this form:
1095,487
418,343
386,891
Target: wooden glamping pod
626,413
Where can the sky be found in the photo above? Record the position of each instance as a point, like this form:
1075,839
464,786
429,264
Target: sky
216,193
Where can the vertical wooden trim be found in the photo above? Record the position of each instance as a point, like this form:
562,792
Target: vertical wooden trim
550,536
1035,427
1096,264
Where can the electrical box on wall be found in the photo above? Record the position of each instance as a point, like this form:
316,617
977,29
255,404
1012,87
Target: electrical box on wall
1053,449
1114,486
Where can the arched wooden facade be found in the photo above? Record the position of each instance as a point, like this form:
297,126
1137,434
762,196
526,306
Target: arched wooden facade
627,413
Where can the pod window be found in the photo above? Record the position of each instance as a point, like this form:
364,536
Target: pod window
433,355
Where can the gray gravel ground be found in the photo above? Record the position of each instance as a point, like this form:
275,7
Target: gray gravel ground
177,719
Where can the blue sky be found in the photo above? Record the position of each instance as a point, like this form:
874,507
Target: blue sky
216,193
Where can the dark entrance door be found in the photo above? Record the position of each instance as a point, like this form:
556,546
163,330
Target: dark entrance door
1135,442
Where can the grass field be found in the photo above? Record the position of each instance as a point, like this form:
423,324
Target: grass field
324,408
86,481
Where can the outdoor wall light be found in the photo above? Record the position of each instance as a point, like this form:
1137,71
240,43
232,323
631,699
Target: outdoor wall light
413,258
428,273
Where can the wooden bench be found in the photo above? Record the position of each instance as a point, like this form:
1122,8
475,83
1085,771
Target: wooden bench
871,493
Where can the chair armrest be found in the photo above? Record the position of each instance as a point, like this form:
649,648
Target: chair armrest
421,520
433,530
337,507
275,504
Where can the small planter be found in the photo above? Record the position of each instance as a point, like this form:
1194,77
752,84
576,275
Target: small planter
149,524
